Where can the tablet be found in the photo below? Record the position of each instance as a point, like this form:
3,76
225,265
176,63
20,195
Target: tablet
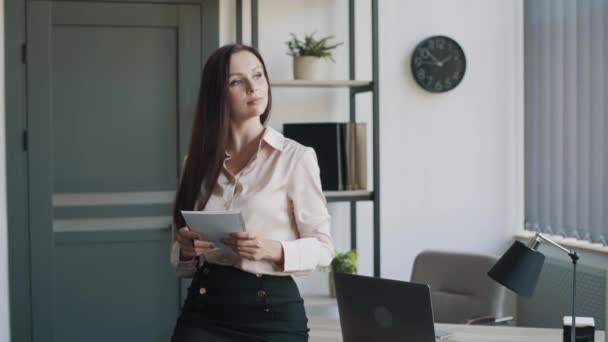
213,226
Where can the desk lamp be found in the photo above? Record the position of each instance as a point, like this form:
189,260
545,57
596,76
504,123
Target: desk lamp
519,268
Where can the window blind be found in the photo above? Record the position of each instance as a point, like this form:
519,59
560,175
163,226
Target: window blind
566,125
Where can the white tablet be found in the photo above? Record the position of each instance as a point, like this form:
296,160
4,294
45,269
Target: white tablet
213,226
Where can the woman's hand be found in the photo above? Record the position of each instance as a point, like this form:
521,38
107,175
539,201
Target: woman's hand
190,244
249,246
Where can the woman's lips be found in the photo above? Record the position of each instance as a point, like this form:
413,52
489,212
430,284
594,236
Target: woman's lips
255,101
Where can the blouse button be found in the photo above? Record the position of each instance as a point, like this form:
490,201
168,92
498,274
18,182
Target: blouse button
261,293
202,290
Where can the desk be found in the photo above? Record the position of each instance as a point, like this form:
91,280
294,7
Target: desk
328,330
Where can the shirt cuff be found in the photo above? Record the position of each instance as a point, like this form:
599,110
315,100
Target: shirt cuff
291,256
185,268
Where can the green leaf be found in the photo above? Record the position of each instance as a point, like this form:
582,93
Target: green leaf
345,262
310,46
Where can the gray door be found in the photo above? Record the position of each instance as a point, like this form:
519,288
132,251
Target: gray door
111,91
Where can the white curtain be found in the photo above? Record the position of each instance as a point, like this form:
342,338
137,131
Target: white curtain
566,79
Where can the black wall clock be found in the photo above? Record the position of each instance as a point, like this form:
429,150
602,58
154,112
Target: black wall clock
438,64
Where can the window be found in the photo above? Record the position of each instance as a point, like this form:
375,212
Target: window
566,109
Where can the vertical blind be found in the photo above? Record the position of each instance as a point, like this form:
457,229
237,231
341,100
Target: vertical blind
566,124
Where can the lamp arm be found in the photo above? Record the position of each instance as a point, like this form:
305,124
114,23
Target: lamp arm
533,244
538,238
573,329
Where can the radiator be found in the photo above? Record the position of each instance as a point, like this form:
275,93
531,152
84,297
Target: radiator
552,298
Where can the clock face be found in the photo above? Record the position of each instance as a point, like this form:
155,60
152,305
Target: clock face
438,64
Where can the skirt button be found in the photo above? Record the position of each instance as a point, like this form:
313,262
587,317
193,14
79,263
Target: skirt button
261,293
202,290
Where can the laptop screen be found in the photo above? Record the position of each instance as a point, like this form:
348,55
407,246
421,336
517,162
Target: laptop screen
376,309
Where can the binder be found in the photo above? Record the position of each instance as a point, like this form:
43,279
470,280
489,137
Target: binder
340,149
326,139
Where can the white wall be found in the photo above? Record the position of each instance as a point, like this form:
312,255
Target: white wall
4,299
451,164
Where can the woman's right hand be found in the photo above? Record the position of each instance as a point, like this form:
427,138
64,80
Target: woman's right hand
190,244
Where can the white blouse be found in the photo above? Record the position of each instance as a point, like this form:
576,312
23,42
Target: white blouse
280,198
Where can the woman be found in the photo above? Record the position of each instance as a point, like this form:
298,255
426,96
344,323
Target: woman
236,162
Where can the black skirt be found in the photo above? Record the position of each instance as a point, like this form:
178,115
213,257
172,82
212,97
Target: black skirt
227,304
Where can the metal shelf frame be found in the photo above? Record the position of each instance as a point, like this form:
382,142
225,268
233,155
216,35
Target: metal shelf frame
355,87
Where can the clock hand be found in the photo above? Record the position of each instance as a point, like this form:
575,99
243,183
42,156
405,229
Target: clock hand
433,57
445,60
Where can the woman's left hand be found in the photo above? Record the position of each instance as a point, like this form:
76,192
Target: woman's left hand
249,246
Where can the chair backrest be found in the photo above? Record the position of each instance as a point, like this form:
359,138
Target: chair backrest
460,287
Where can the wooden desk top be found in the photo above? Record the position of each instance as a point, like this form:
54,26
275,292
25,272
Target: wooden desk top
328,329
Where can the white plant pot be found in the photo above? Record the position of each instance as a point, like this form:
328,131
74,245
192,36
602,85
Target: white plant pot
306,68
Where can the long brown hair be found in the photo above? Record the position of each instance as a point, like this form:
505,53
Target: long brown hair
210,131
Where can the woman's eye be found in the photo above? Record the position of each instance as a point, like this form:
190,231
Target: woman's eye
235,82
258,75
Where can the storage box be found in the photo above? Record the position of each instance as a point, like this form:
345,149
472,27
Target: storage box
585,329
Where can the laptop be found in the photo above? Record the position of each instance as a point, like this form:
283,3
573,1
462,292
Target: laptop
376,309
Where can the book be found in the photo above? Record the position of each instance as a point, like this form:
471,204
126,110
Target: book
356,156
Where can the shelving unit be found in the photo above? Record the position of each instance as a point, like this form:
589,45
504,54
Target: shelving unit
348,195
355,87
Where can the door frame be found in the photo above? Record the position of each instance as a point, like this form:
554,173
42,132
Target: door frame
17,168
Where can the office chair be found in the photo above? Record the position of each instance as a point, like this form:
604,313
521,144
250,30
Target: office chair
461,290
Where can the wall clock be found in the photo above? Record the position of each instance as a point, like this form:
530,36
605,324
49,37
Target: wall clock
438,64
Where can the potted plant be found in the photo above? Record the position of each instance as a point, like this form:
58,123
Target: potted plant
307,54
343,263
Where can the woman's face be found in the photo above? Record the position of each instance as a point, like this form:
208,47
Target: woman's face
247,87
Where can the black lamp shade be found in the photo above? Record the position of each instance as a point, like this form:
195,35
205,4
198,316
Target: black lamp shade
518,269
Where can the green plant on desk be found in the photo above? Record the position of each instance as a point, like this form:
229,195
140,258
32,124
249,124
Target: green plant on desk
343,263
